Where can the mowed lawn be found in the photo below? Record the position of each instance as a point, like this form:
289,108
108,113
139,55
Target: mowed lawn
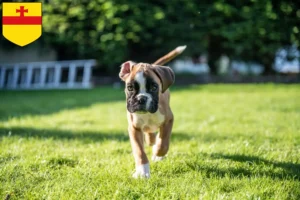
228,142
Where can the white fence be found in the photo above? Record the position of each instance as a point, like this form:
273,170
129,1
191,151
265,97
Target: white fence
47,75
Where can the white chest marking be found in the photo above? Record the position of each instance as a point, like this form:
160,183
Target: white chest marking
148,122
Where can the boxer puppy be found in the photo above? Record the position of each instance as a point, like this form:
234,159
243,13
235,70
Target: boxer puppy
148,109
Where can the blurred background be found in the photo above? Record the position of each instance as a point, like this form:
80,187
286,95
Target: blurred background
229,141
227,41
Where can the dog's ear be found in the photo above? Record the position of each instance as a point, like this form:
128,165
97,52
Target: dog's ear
126,68
166,76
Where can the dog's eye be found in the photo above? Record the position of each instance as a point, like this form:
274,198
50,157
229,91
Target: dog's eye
129,88
153,88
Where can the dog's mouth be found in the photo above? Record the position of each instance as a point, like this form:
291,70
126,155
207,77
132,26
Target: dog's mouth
141,109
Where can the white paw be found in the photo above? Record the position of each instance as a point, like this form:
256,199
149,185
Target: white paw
154,157
142,171
157,158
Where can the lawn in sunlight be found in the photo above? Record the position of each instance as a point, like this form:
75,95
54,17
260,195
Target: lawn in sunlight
228,142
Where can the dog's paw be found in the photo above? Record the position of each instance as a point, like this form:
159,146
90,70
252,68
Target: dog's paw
142,171
157,158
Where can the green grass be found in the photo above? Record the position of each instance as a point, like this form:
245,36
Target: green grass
228,142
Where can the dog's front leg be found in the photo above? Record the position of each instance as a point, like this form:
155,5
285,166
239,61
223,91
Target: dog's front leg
142,168
161,147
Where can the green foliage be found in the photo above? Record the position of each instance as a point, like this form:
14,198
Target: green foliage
99,29
250,30
228,142
114,31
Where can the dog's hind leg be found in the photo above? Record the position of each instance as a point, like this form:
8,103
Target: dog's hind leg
161,147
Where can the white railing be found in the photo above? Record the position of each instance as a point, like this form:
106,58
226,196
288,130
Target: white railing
47,75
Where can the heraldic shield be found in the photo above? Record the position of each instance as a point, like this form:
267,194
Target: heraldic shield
22,22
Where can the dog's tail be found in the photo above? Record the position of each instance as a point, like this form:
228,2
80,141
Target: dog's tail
170,56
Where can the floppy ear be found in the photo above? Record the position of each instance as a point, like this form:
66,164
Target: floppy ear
126,68
166,76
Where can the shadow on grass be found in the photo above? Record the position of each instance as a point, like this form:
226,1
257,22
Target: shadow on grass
20,103
84,136
255,167
43,102
289,168
250,166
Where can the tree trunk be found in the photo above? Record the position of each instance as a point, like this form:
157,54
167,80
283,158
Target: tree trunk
214,52
268,61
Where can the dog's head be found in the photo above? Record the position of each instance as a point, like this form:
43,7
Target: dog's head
144,84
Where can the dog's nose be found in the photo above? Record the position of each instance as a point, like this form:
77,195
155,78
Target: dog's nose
142,100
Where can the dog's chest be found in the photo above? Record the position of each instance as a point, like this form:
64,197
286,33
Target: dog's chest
148,122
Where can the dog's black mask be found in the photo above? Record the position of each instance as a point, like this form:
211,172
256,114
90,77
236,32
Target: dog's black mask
142,96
